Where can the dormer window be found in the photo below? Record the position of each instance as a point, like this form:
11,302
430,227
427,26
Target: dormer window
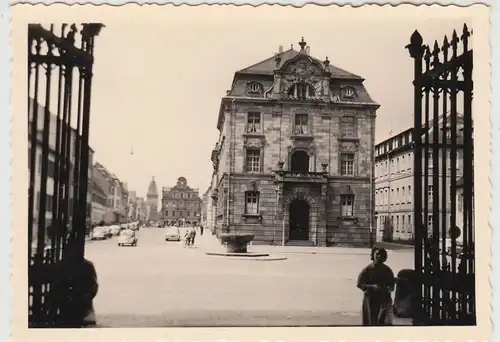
254,88
349,92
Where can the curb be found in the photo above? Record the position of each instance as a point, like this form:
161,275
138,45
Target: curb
250,259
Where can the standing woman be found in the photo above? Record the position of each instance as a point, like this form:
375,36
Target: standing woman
377,282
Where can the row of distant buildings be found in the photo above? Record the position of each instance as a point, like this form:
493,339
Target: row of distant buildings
179,204
112,201
108,198
296,160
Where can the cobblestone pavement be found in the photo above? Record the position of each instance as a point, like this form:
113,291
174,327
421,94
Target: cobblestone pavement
161,284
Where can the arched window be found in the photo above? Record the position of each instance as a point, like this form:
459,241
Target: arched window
301,90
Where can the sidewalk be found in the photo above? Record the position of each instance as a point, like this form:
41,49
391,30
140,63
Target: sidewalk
210,243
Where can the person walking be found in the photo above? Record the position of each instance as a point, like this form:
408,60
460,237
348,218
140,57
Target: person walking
201,229
377,282
193,235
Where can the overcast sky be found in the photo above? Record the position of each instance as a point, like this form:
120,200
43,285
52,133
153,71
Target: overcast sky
160,73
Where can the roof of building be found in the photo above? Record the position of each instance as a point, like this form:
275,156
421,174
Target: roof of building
268,65
296,66
430,125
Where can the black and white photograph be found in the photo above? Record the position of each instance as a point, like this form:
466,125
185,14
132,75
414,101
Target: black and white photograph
231,166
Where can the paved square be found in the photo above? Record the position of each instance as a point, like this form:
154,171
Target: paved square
161,284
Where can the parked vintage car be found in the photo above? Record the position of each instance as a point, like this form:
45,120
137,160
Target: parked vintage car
115,230
172,234
107,231
127,238
99,233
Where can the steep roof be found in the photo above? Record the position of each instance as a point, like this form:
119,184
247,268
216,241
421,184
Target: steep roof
152,189
268,65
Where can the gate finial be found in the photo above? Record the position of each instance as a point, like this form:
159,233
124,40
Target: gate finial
415,47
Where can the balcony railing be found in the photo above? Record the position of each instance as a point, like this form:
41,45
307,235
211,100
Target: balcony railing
301,176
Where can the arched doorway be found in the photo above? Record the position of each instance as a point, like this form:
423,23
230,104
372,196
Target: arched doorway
299,162
299,220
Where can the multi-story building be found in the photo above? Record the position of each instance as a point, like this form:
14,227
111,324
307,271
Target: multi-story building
117,196
181,203
132,206
141,209
51,166
394,183
204,207
293,161
152,201
101,190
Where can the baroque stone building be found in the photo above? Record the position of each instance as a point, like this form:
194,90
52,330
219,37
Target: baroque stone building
294,159
152,201
181,203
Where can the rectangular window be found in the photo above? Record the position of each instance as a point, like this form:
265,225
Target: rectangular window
347,126
397,196
301,124
397,223
253,122
347,164
253,160
429,191
347,205
251,202
397,164
429,221
409,193
460,202
403,228
403,195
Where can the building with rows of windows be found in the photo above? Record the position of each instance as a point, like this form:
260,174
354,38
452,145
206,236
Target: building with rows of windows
394,184
293,162
181,203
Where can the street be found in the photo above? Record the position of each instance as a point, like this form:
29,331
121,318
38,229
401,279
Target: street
162,284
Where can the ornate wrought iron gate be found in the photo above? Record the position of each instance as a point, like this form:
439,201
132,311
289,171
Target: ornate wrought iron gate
58,161
444,173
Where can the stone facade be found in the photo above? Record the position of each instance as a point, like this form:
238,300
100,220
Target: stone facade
296,133
181,203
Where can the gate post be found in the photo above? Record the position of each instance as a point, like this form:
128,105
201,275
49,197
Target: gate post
416,50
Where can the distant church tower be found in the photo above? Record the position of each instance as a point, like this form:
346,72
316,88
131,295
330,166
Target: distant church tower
152,201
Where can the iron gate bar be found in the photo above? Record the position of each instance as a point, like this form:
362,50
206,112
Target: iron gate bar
67,203
448,290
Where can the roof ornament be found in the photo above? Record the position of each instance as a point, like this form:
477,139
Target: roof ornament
326,62
277,59
302,44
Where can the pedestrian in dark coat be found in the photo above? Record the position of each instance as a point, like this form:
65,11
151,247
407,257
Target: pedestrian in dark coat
77,287
377,282
201,230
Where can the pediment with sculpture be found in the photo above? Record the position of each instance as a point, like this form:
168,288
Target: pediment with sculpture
303,67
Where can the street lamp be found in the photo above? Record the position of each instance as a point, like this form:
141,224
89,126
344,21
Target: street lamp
372,240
